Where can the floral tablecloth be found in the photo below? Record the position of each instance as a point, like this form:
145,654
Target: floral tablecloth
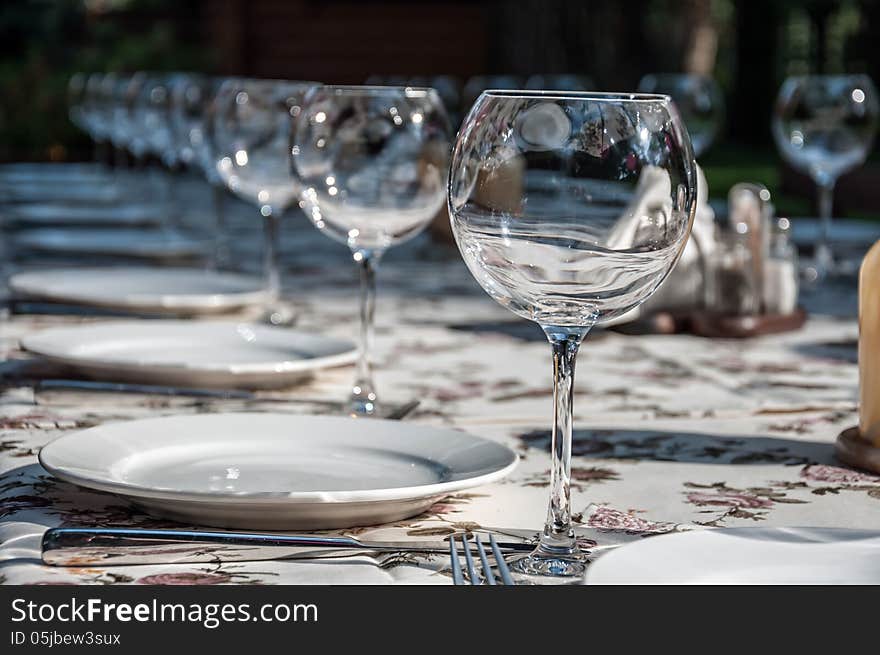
673,432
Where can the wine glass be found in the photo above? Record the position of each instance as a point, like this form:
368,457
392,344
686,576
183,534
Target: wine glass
570,209
699,100
371,162
151,113
250,139
192,103
824,126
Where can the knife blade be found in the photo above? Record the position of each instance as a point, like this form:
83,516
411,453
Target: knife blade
130,546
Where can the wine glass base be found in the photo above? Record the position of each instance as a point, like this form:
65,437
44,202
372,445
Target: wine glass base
551,566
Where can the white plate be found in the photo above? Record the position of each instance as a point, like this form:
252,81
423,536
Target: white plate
277,471
216,354
745,556
146,290
144,244
48,214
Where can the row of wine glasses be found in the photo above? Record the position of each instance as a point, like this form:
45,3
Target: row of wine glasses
366,164
698,97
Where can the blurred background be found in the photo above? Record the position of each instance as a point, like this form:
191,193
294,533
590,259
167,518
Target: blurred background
748,47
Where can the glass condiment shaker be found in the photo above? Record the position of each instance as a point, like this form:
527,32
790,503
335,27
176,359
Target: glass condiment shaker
732,288
781,270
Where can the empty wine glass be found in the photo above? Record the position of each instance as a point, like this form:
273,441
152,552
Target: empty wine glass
372,162
824,126
699,102
126,132
192,103
570,209
250,139
152,116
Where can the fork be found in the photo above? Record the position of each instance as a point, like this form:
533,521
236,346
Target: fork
472,576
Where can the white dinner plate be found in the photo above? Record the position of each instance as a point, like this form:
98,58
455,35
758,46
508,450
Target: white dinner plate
745,556
52,214
174,291
215,354
277,471
143,244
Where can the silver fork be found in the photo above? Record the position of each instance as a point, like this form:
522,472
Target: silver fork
472,576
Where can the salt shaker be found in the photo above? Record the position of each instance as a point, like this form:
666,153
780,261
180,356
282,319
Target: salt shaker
732,288
749,206
780,291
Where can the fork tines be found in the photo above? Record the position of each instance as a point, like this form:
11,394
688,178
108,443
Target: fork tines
488,577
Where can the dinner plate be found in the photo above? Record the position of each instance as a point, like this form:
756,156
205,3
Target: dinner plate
51,214
209,354
745,556
277,471
142,244
172,291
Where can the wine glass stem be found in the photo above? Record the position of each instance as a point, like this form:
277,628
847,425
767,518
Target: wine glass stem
270,261
363,394
219,260
824,255
558,538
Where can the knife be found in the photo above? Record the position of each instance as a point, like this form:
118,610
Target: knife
128,546
394,413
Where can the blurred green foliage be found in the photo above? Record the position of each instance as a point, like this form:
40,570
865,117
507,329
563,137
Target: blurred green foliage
46,41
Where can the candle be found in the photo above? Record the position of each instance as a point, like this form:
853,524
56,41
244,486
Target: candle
869,346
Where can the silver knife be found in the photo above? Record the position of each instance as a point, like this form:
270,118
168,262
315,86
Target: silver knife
127,546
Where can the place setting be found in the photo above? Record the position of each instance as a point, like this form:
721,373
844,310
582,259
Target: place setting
387,392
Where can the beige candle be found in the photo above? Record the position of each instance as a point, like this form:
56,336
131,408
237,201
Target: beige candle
869,346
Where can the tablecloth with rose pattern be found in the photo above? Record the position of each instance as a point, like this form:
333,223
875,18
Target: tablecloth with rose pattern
672,432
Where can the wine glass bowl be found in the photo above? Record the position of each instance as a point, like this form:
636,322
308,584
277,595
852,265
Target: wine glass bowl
191,97
570,209
371,162
824,124
249,136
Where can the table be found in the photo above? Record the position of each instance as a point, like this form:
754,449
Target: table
672,432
